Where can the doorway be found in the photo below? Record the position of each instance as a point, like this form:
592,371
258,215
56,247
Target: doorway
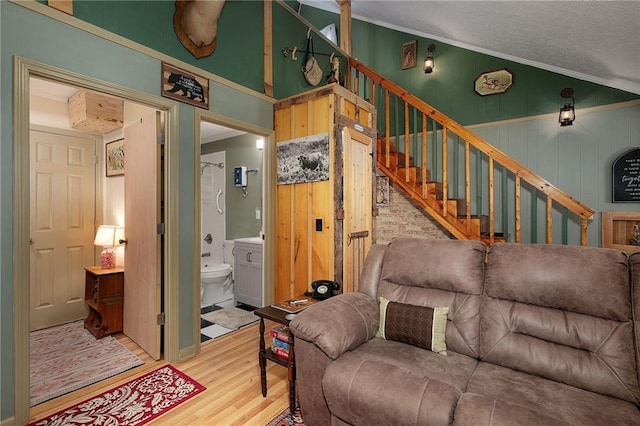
229,211
24,70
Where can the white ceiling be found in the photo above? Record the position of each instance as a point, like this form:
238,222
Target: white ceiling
597,41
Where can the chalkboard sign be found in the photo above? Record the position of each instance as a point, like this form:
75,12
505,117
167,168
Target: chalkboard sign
626,177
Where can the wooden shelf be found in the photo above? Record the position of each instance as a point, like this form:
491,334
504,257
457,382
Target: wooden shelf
617,230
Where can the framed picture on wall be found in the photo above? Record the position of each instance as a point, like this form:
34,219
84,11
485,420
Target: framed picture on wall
493,82
114,158
409,54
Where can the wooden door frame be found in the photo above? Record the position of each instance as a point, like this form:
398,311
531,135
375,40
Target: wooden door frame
268,207
23,69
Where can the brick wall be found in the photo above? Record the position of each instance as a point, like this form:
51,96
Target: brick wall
401,218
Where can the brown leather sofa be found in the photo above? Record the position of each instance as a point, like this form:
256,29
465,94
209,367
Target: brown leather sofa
536,335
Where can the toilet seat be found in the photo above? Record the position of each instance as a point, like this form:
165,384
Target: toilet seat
214,270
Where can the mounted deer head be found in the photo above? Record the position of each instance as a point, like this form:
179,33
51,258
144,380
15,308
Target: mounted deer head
196,25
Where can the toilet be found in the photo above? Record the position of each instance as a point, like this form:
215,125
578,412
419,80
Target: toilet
216,279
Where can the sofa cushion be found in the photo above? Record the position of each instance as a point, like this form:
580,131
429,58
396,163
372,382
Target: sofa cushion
477,410
562,313
419,326
503,390
387,382
438,273
634,263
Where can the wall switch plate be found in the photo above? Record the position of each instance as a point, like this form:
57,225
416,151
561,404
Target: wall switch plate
257,214
319,225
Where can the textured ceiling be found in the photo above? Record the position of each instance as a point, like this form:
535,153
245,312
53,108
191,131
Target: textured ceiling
597,41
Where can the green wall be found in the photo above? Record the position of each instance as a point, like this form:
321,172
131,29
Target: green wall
28,34
241,211
586,147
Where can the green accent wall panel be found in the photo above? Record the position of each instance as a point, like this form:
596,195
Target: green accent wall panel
239,51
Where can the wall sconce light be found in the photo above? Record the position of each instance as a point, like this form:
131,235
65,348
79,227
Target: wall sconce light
429,63
567,112
260,144
108,237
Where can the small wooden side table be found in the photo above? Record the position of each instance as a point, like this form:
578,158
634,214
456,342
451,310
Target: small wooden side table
104,296
265,353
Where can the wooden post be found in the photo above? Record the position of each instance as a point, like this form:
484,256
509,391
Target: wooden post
345,26
268,44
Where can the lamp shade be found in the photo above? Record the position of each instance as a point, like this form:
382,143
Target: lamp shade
109,236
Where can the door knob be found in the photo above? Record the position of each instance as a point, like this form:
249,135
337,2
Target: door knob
121,241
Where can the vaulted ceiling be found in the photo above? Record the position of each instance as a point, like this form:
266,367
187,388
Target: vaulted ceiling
596,41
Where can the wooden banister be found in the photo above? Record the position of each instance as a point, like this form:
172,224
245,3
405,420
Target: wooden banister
495,155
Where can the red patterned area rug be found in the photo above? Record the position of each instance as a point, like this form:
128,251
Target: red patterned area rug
134,403
286,419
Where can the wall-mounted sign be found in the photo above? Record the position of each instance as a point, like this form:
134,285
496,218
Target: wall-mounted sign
493,82
184,86
626,177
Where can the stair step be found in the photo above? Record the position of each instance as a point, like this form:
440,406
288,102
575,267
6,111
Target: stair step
401,160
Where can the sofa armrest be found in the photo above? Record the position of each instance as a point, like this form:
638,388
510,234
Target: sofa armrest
338,324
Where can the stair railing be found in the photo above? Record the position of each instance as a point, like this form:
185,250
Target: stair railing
437,189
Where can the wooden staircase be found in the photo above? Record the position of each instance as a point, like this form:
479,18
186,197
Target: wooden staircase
471,188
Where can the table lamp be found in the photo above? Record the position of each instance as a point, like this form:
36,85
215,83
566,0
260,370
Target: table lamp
108,237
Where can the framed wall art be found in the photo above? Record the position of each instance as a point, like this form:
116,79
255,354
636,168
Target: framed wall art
493,82
114,158
303,159
409,54
183,86
382,191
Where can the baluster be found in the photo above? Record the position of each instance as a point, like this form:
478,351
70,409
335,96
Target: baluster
549,220
387,127
467,183
491,201
407,152
424,156
517,208
445,178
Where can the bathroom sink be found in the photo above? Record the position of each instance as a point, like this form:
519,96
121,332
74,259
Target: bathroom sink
252,240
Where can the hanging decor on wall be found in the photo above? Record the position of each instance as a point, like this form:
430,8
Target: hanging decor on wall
303,159
626,177
196,25
493,82
114,158
382,191
409,54
183,86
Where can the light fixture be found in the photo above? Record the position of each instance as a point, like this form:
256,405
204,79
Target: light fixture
567,112
330,32
108,237
260,144
429,63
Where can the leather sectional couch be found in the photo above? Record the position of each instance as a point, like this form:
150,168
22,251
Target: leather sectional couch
535,335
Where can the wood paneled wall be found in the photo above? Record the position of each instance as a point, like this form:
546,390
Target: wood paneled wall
304,254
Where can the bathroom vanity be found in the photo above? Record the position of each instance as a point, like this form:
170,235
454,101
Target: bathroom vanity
248,286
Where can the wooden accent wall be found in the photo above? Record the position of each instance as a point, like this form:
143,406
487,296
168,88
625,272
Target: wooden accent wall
302,253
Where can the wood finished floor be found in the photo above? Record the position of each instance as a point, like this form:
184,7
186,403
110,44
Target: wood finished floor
226,366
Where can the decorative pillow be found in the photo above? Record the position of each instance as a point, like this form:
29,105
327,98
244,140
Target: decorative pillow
416,325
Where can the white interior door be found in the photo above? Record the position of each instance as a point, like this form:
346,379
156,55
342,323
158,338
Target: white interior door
62,179
142,289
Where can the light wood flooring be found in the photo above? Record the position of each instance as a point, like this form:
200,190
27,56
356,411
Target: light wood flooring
227,366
